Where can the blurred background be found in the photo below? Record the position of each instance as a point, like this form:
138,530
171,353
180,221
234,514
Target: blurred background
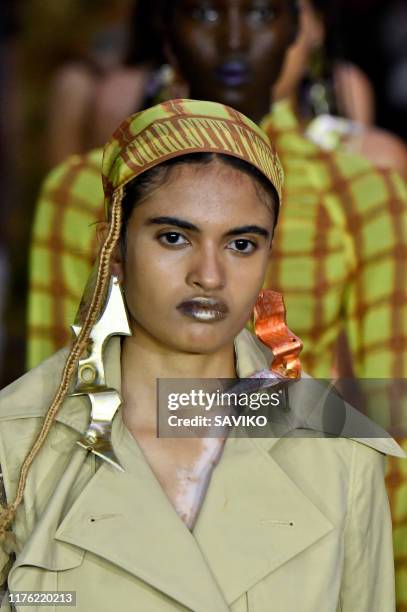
64,61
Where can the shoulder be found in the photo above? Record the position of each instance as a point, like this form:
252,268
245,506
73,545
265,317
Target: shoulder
317,413
109,108
23,406
30,395
73,76
74,183
314,413
312,448
90,162
359,180
385,150
371,176
127,80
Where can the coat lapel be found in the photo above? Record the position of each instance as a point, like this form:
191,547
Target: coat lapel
253,520
254,517
135,527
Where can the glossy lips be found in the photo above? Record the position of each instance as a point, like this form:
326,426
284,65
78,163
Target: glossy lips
205,310
233,73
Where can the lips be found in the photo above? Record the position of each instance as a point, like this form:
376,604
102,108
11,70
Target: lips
233,73
204,310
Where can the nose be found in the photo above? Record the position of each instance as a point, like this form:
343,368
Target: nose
206,270
235,34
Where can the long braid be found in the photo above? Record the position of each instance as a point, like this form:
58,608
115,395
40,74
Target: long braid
8,513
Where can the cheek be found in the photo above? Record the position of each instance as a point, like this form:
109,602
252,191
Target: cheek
139,272
152,276
264,46
195,49
247,283
268,49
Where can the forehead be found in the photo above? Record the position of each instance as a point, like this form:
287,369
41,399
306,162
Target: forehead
177,11
208,194
289,4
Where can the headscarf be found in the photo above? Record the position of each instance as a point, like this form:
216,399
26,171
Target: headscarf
180,127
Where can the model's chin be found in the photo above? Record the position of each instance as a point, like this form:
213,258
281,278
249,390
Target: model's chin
238,97
203,337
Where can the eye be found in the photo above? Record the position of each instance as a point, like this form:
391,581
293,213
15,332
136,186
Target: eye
243,245
172,239
261,14
205,14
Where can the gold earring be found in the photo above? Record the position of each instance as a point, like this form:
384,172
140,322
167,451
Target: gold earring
91,379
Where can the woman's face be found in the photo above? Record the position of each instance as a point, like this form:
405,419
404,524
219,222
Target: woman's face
195,257
231,51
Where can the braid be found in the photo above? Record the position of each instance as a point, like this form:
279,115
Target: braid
8,513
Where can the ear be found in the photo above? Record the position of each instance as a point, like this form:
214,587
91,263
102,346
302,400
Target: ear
116,259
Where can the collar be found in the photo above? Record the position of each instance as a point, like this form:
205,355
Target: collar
306,408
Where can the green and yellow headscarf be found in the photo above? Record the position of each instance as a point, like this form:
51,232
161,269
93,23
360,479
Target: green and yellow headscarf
180,127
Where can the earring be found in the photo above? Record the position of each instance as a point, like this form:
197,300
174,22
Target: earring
91,379
172,85
271,328
112,322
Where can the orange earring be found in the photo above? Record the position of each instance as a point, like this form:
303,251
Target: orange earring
271,328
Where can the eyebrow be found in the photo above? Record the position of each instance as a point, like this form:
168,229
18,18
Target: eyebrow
181,223
249,229
172,221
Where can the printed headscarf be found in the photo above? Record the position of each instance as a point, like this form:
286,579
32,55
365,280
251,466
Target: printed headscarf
179,127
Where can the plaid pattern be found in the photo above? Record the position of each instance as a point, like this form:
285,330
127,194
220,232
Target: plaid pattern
62,251
339,258
340,254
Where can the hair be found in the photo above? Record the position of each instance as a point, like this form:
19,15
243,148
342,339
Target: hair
124,201
145,44
143,185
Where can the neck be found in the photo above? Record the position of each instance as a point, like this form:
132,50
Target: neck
144,361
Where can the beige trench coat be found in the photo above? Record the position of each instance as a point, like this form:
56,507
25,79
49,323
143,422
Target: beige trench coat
287,525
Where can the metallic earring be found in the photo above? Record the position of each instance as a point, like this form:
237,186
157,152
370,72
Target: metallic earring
271,328
91,378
